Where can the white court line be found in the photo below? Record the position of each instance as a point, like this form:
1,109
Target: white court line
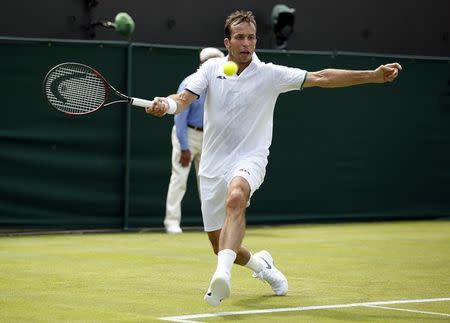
189,318
407,310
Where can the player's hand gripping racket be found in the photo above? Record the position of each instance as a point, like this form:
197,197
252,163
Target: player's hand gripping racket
79,89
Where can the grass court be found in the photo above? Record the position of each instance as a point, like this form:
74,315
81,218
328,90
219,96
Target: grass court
353,272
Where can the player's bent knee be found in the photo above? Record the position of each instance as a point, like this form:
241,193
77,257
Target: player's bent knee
236,199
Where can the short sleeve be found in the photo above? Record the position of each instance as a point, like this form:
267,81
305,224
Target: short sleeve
199,80
288,78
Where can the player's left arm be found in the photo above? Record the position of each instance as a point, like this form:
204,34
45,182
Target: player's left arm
332,78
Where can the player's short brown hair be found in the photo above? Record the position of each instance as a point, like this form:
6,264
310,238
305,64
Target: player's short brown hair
236,18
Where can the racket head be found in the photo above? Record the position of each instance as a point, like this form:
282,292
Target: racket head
75,88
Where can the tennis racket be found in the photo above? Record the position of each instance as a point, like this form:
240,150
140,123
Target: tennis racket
76,89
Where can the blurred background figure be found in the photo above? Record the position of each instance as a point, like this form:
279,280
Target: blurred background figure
187,138
283,19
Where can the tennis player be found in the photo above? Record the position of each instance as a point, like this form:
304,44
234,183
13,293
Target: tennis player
238,128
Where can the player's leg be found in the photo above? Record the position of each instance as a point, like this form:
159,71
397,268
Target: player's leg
213,192
177,188
243,255
220,285
258,263
195,143
252,172
218,217
233,230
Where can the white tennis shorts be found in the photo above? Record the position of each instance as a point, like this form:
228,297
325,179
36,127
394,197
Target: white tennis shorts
214,191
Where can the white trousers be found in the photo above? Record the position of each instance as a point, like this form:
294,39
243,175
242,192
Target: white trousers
180,174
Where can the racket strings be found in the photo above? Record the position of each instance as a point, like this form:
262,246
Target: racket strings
75,89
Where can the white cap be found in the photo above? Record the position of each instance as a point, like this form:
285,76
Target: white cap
210,52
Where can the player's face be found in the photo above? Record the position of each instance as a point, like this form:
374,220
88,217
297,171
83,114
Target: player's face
242,42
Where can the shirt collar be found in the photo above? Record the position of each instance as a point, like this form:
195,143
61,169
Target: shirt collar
252,66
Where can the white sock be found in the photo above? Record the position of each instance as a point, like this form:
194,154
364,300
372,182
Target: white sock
225,260
254,264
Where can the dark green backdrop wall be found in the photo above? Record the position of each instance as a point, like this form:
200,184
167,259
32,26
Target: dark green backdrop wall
366,152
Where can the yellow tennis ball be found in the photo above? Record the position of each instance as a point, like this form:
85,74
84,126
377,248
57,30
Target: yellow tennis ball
230,68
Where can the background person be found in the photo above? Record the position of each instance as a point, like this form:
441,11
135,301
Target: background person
187,138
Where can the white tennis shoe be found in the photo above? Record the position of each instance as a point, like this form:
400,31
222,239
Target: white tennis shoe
174,229
271,274
219,289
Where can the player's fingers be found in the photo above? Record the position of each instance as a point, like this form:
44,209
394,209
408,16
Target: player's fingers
393,76
157,98
387,71
163,104
152,106
398,66
395,65
149,110
156,109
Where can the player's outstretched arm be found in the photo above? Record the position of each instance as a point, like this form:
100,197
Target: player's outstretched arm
172,104
331,78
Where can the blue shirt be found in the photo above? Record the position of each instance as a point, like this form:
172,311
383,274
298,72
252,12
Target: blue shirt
193,116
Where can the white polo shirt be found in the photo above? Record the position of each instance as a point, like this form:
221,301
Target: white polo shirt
238,120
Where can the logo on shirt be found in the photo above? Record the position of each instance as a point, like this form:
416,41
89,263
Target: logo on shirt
244,170
221,77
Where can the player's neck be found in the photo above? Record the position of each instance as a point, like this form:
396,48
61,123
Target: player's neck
243,66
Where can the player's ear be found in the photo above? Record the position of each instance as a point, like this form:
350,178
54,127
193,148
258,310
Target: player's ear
226,42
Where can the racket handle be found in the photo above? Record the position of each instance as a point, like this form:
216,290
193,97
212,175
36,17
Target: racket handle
140,102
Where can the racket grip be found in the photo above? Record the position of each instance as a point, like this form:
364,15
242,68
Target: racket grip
141,102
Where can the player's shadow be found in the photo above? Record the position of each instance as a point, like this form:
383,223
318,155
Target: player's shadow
255,302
